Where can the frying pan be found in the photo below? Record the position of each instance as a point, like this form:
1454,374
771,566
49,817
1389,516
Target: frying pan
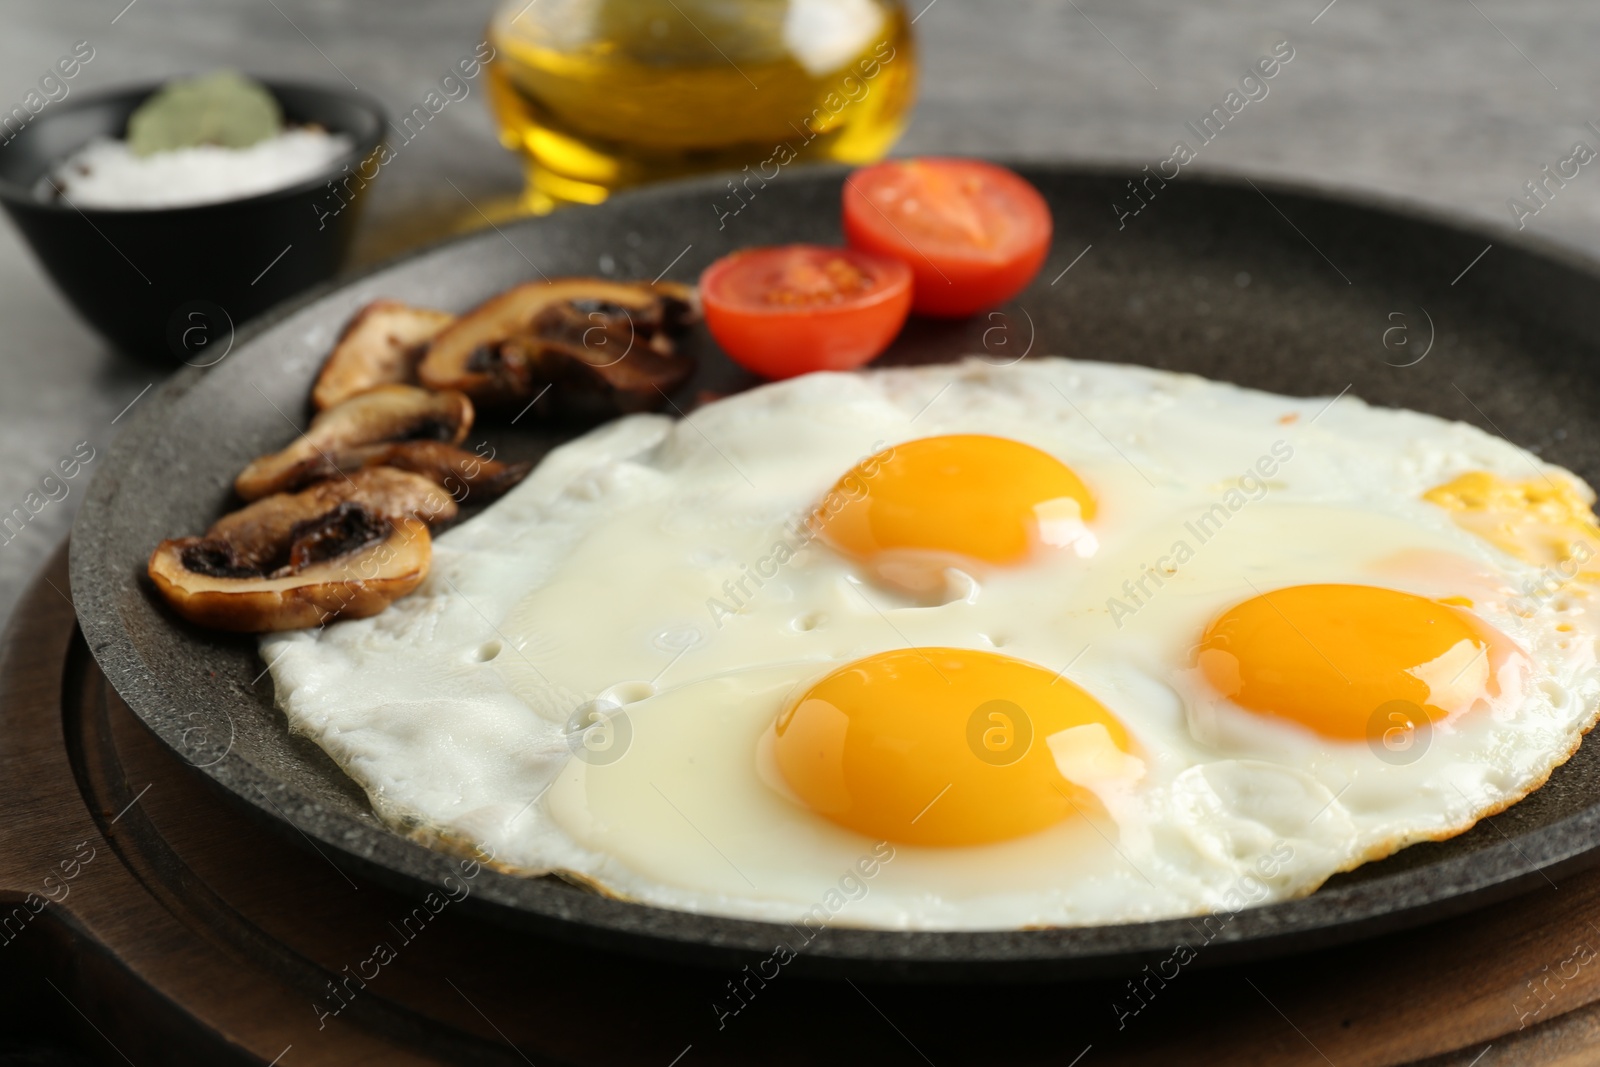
1269,286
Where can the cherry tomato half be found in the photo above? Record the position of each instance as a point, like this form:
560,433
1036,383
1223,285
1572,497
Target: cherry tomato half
974,234
797,308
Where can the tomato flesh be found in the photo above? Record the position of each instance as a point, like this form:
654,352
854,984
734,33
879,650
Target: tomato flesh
793,309
973,234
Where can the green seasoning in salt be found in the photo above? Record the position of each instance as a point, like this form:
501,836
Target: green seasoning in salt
224,108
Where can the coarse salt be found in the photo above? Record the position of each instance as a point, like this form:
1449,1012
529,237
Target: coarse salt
106,174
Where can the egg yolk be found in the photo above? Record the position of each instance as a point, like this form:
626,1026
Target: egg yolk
1544,521
984,498
945,746
1328,656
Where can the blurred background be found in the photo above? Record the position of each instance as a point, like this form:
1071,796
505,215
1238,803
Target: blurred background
1451,104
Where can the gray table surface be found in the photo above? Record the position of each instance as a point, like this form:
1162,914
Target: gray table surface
1453,104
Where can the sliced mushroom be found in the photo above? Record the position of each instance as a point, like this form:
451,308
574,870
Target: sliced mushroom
348,564
595,345
381,345
386,413
344,548
258,537
459,472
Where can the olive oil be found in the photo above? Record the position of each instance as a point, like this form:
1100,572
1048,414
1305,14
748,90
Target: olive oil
602,94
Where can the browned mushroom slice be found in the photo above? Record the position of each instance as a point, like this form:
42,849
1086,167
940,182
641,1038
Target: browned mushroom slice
595,344
348,564
459,472
386,413
381,345
258,537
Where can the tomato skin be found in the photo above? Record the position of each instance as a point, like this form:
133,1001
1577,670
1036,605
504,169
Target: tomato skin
836,331
952,278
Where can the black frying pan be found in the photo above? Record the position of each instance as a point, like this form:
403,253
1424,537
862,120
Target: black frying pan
1507,345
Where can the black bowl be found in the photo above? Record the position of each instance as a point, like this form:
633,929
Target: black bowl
171,283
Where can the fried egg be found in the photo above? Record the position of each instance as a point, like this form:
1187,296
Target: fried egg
960,647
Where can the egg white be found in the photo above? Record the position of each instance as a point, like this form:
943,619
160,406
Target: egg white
639,566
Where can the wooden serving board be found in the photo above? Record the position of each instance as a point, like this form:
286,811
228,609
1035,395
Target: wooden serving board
147,917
